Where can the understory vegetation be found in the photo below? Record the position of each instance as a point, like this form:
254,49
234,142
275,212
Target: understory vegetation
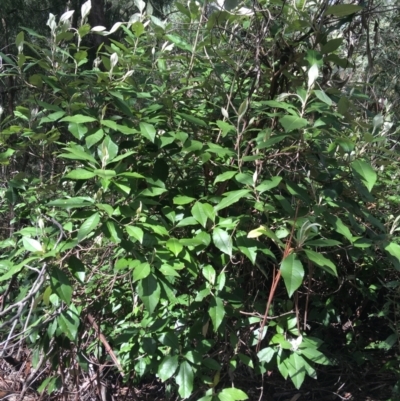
207,201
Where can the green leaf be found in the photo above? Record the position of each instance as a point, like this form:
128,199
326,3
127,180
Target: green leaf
168,270
322,242
5,156
203,211
80,174
309,369
394,250
346,144
108,150
216,312
19,40
184,379
94,138
88,226
232,394
52,117
113,232
118,127
14,269
149,292
77,268
297,372
292,273
135,232
282,363
321,95
266,354
342,10
225,127
340,227
315,356
193,120
222,241
183,200
224,176
106,174
192,146
141,271
272,141
77,152
167,367
148,131
366,173
69,322
179,42
153,191
243,108
245,179
250,252
159,230
170,339
230,198
321,261
123,156
268,184
174,246
77,130
290,123
78,119
209,274
61,285
32,245
188,221
263,230
331,45
297,190
75,202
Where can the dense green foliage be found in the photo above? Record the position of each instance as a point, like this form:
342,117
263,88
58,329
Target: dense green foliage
209,194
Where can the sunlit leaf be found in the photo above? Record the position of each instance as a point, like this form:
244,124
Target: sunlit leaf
78,119
167,367
88,226
148,131
32,245
266,354
80,174
77,268
231,198
321,261
297,372
174,246
179,42
135,232
149,292
61,285
292,273
222,241
232,394
341,10
290,123
184,379
394,250
321,95
216,312
365,172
